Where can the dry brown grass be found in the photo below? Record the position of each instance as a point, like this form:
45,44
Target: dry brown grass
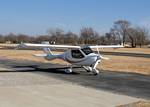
137,104
26,55
126,64
128,50
116,63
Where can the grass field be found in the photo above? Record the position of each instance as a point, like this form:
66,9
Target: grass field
116,63
137,104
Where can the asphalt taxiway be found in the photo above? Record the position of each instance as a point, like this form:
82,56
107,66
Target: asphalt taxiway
26,83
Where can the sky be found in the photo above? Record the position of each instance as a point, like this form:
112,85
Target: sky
35,17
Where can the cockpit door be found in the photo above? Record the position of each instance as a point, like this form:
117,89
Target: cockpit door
77,54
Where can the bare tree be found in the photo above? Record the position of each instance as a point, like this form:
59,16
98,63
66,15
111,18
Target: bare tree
2,39
142,35
42,38
11,37
71,38
121,26
102,40
137,36
110,38
116,36
132,34
57,35
23,38
88,35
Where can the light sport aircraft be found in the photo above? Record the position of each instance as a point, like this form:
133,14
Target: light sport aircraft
76,55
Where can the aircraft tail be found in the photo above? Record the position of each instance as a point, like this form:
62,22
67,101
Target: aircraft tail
47,51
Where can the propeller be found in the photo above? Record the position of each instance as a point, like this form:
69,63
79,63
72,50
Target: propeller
100,56
105,58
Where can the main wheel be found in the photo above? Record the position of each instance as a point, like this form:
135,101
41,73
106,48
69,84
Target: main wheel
68,71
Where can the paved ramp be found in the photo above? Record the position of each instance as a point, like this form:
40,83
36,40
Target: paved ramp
28,89
36,84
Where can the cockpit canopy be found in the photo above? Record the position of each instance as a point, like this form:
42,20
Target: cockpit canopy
87,50
77,53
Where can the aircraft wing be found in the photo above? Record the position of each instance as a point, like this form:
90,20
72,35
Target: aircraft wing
30,45
107,46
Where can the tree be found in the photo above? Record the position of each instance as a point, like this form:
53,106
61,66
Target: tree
2,39
23,38
71,38
132,34
42,38
88,35
11,37
121,26
57,35
102,40
110,38
137,36
116,36
142,35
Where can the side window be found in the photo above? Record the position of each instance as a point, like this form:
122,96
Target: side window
77,54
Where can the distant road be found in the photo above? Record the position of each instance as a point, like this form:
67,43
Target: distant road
126,54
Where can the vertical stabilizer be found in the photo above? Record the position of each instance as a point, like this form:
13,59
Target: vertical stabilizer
47,51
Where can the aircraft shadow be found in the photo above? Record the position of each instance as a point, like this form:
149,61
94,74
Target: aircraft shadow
36,68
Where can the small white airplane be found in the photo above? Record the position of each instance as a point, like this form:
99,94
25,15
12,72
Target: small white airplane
76,55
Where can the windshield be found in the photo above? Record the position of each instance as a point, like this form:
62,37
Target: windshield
87,50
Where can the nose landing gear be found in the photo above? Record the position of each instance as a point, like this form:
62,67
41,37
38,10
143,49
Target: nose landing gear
94,70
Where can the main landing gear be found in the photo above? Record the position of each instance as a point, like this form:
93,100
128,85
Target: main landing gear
87,68
68,70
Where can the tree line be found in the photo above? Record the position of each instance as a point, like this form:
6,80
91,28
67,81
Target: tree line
121,32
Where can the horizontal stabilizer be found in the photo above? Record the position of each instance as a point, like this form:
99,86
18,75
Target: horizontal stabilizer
40,55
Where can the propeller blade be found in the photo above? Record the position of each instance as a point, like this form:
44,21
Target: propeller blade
105,58
98,51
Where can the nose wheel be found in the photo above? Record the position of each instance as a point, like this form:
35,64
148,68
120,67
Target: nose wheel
95,72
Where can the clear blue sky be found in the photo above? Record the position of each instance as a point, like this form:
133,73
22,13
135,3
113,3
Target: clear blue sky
36,16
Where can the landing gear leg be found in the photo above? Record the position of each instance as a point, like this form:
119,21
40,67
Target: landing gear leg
88,69
94,70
